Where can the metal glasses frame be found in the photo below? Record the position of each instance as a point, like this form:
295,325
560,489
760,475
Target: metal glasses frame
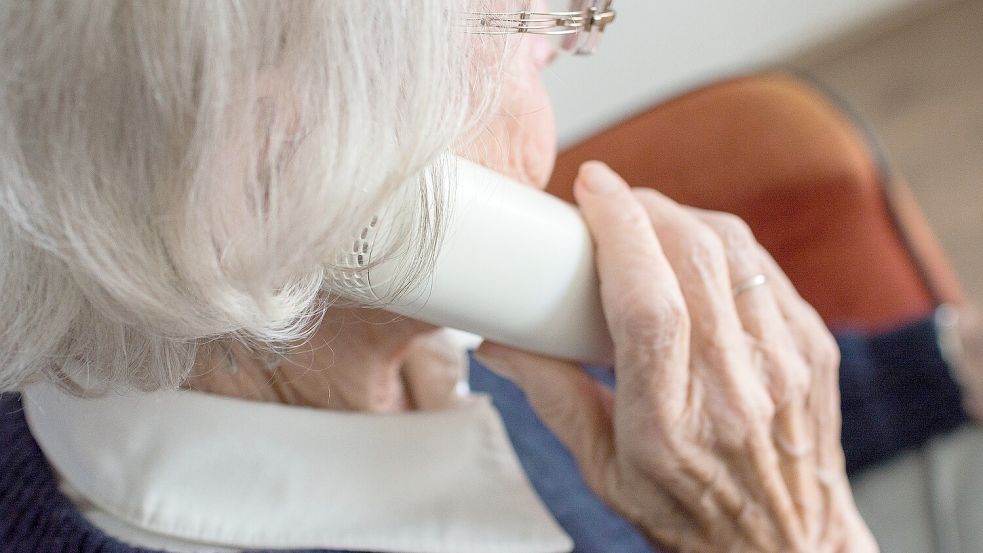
586,21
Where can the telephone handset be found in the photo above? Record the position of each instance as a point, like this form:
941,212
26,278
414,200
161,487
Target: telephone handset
515,266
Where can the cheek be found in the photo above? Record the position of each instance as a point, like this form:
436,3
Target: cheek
520,139
531,127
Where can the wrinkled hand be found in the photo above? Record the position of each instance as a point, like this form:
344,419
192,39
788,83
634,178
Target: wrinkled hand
723,431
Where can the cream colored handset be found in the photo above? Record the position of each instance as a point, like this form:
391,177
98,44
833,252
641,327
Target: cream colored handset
515,266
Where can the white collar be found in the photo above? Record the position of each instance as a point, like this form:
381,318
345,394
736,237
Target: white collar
204,469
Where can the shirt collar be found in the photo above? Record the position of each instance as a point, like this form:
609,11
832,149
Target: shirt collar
228,472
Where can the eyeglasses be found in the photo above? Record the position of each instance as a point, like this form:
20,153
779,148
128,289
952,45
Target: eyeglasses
578,29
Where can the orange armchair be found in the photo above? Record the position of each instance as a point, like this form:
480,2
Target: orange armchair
787,158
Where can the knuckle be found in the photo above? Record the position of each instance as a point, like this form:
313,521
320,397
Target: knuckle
633,216
788,375
828,352
823,353
653,319
732,229
818,346
704,249
798,382
761,413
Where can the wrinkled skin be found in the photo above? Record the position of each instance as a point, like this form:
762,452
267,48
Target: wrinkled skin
722,432
357,360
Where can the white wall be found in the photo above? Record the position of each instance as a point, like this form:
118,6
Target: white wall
657,47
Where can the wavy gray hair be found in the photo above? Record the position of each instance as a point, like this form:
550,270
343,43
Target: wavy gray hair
182,171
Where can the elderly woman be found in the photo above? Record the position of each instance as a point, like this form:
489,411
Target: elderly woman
176,181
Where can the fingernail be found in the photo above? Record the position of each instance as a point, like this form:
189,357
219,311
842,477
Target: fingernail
598,178
495,364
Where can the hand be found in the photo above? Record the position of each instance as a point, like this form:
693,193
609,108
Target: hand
723,431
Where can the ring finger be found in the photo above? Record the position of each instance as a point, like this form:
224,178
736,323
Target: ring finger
785,371
719,347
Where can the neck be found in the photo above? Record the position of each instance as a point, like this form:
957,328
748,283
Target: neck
357,359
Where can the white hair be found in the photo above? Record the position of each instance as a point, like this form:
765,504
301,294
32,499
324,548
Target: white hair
183,171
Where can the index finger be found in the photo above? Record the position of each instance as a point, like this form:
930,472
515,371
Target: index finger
642,300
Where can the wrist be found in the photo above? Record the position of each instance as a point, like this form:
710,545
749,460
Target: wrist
960,338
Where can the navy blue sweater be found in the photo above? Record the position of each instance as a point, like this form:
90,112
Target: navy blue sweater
897,393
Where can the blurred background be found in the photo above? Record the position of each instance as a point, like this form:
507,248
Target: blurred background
914,70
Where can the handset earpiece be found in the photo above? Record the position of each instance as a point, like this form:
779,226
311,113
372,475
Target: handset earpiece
515,266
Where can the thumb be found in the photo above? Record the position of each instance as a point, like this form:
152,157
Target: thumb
570,403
